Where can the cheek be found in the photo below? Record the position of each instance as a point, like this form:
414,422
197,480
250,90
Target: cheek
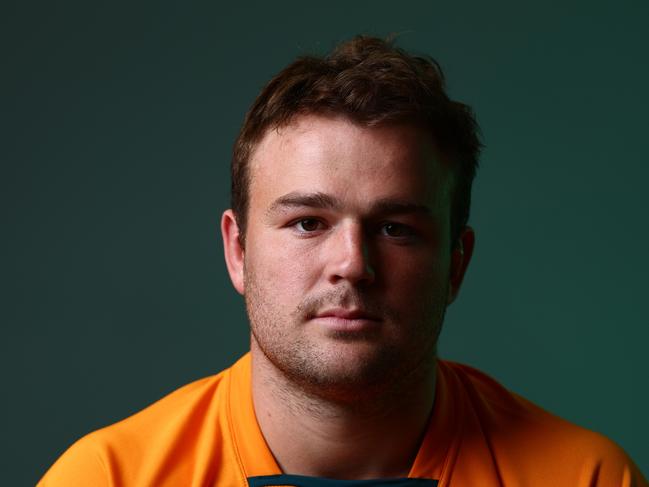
421,278
280,267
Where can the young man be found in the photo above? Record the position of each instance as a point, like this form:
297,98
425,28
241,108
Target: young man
348,238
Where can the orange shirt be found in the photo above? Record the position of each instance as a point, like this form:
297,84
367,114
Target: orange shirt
480,434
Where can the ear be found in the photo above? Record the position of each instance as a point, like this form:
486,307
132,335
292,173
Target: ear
234,253
460,258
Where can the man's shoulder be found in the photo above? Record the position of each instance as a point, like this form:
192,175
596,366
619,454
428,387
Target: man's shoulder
191,418
189,400
508,413
522,434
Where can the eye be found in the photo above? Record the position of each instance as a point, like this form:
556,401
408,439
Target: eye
396,230
307,225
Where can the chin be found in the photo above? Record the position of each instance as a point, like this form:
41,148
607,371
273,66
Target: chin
342,370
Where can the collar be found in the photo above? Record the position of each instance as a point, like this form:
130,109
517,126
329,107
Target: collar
255,459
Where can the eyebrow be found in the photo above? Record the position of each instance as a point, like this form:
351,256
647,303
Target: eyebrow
320,200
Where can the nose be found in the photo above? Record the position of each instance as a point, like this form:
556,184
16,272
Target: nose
349,256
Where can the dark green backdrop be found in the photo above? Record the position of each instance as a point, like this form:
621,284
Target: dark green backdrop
117,122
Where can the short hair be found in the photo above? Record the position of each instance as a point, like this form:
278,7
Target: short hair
371,82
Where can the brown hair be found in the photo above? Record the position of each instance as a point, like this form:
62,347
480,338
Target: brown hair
372,82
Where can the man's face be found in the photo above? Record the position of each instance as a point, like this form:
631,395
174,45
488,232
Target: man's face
346,266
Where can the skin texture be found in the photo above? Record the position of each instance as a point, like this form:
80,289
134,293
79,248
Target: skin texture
347,271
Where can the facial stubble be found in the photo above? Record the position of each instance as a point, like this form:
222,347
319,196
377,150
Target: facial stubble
383,367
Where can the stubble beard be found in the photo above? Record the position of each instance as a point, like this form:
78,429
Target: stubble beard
388,370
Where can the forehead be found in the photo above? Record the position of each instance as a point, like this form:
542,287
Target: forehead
354,162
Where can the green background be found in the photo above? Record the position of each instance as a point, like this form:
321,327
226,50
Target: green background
117,121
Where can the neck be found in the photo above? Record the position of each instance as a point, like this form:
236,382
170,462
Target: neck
373,437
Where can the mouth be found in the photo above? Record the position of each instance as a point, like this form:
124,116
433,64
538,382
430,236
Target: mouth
346,320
